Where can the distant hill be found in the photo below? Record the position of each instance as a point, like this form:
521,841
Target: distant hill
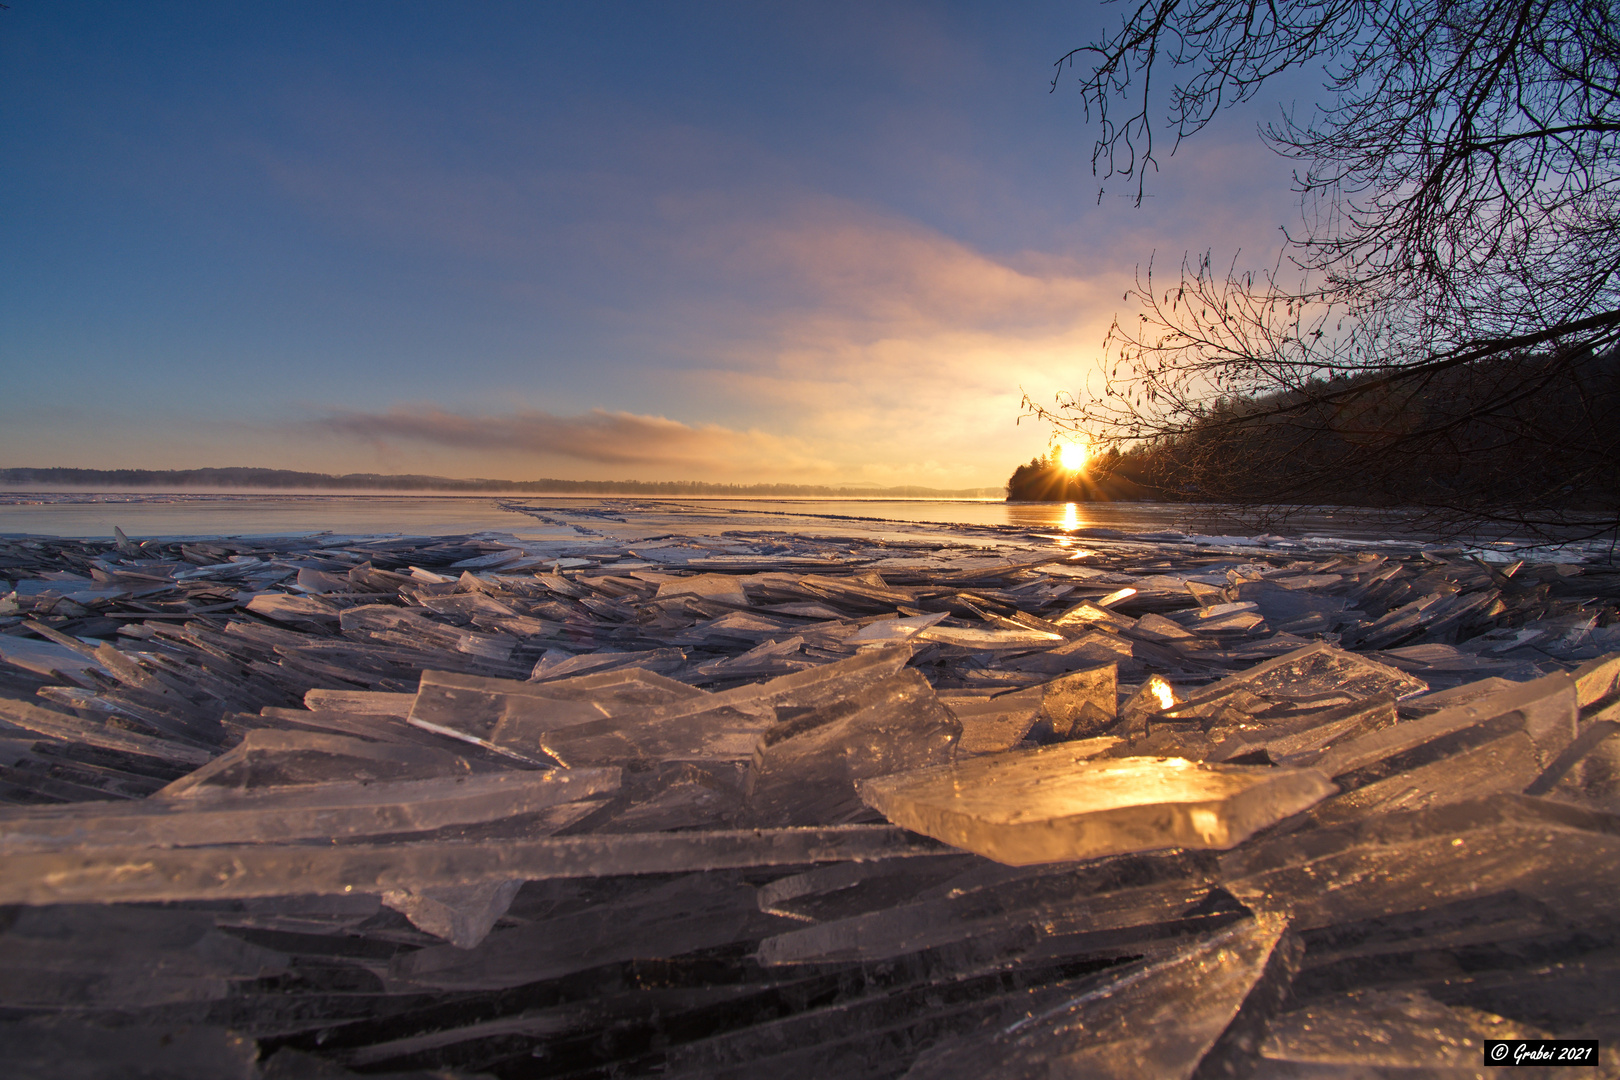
289,480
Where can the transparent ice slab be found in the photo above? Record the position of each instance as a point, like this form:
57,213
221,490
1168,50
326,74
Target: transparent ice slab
83,957
463,915
325,811
806,766
992,725
267,758
1501,765
1383,1029
233,871
1049,911
20,715
1081,704
1057,803
1545,710
1566,857
1300,739
1313,671
691,912
1158,1021
496,712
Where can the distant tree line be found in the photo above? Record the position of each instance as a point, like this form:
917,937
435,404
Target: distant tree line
1111,476
1533,439
290,480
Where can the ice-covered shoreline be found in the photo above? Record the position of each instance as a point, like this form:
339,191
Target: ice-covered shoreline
617,797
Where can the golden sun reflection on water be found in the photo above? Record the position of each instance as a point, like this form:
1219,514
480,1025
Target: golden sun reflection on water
1071,517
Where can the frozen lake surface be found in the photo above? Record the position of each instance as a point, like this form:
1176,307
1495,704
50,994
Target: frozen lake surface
147,515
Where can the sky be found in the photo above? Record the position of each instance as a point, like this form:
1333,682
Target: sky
813,243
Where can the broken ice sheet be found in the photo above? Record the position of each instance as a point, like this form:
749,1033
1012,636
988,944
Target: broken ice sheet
1095,648
72,728
325,811
48,658
233,871
673,795
1588,771
1382,1029
1056,803
1545,710
806,766
360,702
1152,1021
661,919
74,956
1068,707
1128,905
722,587
503,713
993,724
1505,764
460,914
1081,704
267,758
1564,856
890,630
1280,605
847,889
1314,671
1299,738
561,664
972,637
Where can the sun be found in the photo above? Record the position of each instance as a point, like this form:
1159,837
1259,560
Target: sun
1072,456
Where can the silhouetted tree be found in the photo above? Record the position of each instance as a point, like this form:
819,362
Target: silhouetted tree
1454,294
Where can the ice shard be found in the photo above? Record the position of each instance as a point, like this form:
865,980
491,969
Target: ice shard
1313,671
1545,710
691,912
116,874
1424,858
1058,803
463,915
1128,906
1158,1021
327,811
1081,704
993,724
806,766
1380,1029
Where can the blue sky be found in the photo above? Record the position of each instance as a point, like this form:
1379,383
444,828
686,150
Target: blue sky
806,243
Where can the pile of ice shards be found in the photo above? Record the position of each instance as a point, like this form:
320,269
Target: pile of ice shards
783,807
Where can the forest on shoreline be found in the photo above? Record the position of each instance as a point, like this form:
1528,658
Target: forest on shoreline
1507,435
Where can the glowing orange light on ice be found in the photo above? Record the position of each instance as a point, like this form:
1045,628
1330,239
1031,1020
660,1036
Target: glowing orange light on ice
1162,691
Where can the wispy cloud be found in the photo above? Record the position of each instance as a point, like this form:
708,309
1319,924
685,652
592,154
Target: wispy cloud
598,437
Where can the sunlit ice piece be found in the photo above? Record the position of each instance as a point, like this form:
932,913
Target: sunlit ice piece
1115,597
1059,803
